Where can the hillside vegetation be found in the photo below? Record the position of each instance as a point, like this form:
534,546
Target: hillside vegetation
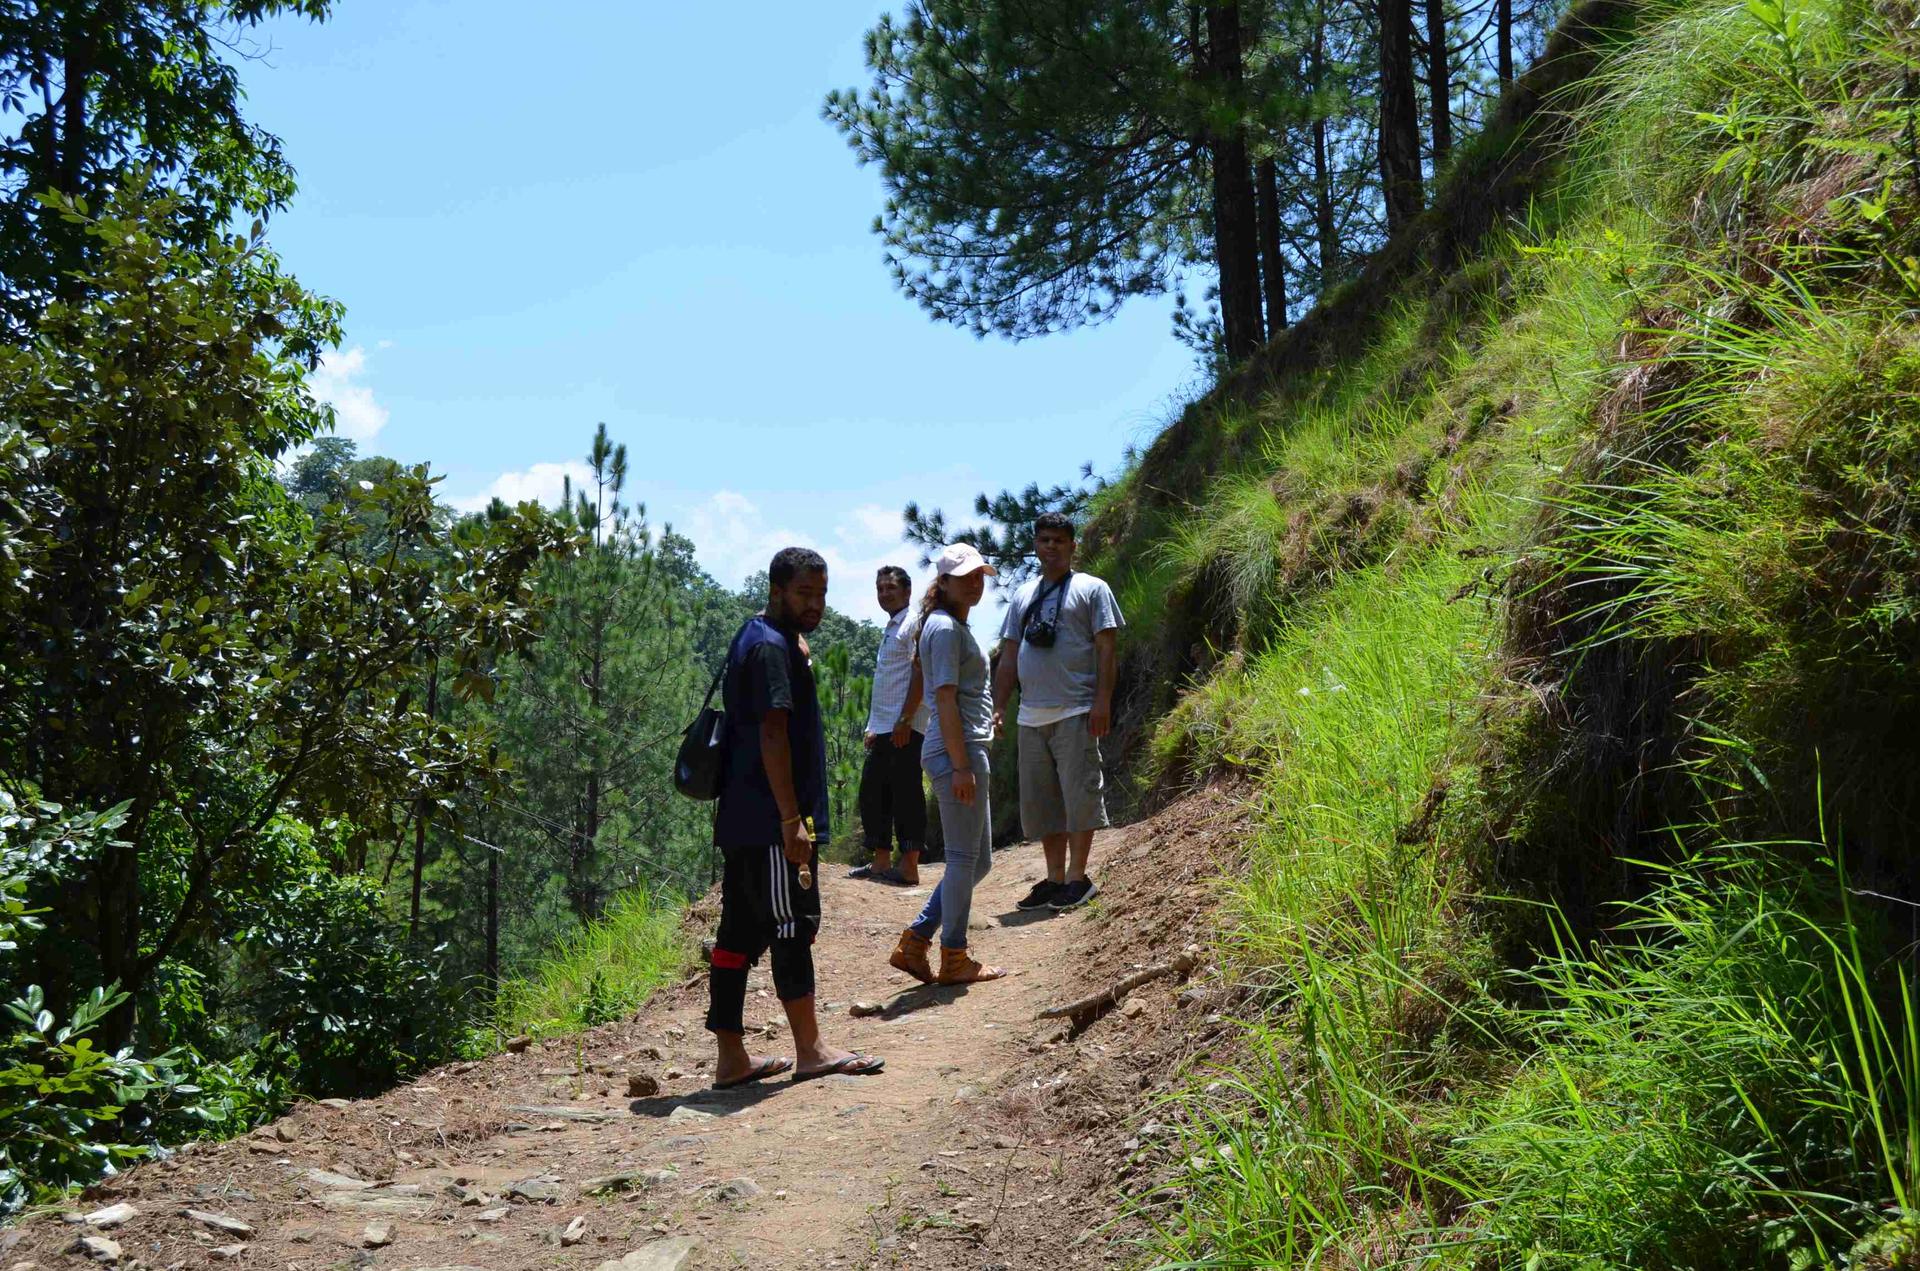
1555,582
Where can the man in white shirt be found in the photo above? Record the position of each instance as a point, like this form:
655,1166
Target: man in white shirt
1058,643
893,805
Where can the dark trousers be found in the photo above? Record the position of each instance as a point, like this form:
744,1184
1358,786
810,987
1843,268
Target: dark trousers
891,798
762,906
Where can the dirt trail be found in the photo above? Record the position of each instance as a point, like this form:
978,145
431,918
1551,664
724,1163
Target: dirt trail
487,1164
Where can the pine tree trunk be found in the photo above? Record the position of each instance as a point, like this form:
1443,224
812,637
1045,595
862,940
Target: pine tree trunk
1438,89
1326,234
420,815
1273,264
1235,221
580,865
493,922
1399,116
1503,38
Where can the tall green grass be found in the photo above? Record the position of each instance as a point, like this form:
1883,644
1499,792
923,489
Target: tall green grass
1352,934
603,972
1706,366
1733,1081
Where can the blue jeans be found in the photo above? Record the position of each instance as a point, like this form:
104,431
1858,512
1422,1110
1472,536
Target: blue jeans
969,847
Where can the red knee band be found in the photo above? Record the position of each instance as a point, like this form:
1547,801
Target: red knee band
728,960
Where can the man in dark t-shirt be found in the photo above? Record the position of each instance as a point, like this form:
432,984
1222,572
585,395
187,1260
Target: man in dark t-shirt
773,807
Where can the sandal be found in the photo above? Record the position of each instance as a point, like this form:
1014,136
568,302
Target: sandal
957,968
910,955
851,1066
760,1072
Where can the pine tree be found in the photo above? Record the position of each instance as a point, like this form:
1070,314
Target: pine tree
1040,160
593,714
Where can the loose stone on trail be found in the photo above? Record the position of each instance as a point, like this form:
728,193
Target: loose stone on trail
671,1254
399,1205
629,1179
539,1188
686,1112
110,1217
98,1248
327,1178
219,1222
561,1113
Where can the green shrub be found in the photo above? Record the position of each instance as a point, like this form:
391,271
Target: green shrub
61,1097
323,969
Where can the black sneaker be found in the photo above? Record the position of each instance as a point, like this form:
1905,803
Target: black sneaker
1041,897
1072,894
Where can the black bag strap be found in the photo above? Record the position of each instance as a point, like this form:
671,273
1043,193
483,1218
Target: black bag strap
714,687
1040,594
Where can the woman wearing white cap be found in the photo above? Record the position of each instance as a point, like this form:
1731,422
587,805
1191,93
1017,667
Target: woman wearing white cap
954,671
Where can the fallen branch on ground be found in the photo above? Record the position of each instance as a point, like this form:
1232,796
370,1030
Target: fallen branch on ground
1109,997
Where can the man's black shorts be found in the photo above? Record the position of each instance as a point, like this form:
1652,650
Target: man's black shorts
762,901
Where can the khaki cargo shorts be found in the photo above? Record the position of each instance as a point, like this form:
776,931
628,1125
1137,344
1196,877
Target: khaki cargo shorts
1062,786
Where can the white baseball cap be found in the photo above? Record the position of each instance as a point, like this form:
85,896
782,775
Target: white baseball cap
962,558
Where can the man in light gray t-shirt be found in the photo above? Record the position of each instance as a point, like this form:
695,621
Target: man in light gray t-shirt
1057,642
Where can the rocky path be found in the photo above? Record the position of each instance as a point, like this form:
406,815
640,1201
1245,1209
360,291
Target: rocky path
545,1159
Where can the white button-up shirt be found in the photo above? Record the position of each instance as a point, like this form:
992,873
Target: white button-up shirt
893,674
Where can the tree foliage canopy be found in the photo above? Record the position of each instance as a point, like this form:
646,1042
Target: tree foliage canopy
108,92
1037,157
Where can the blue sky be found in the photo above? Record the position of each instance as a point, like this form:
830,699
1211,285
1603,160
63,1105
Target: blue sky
544,217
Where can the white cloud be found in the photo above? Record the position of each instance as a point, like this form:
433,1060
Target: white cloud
357,416
541,483
871,522
734,539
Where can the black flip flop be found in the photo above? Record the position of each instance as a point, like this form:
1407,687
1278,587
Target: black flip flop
860,871
851,1066
761,1071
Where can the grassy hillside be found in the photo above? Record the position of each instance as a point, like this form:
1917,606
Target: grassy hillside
1557,582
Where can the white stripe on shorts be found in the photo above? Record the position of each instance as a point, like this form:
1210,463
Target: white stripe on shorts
782,899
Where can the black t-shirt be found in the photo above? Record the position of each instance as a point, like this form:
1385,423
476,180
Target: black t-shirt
767,672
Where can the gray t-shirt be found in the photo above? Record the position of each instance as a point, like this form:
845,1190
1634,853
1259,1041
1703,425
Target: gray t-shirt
950,655
1065,675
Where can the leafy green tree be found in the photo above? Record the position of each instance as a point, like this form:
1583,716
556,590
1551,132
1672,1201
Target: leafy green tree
103,93
176,633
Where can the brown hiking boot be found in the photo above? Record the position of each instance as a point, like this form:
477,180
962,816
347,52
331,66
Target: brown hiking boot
957,968
910,955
